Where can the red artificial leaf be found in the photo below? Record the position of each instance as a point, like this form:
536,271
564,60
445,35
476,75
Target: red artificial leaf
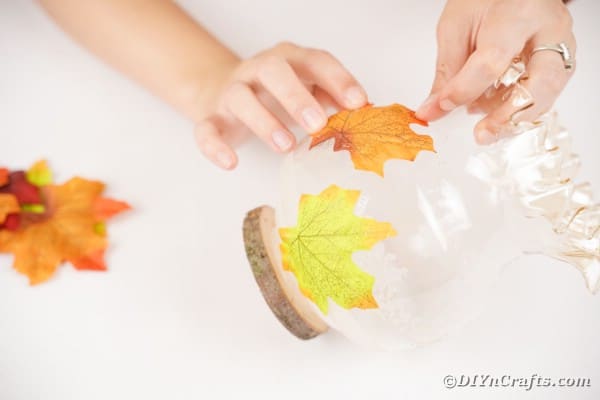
11,222
25,192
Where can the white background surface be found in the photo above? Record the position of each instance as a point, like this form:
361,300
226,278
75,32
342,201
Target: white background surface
178,316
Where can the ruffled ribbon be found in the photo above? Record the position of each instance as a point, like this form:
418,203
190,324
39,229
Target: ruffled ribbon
538,168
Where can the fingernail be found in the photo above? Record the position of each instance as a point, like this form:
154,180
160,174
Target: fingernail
423,107
484,136
224,159
447,105
355,96
282,140
313,119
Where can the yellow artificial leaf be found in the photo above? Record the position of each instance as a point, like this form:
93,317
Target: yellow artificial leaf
318,250
373,135
39,174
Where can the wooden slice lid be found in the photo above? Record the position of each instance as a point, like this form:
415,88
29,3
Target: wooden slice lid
286,302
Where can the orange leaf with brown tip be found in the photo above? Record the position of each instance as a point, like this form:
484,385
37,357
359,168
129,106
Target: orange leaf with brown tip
373,135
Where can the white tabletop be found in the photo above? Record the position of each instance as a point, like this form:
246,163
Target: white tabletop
178,315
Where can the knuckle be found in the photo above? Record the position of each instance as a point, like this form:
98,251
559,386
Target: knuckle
562,18
267,65
285,46
442,71
528,9
459,94
269,61
232,93
491,61
321,55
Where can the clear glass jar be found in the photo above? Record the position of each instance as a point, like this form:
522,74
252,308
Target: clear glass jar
459,219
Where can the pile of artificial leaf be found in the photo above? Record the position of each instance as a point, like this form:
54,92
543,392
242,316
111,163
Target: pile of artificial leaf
44,225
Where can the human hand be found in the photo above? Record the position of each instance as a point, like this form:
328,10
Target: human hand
478,39
299,80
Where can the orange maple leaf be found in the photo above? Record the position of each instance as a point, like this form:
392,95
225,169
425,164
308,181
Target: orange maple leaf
8,205
67,231
3,176
373,135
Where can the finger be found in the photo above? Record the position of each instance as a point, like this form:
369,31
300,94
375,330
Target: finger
329,104
213,146
487,102
549,74
485,64
453,51
498,123
243,104
279,79
547,79
325,71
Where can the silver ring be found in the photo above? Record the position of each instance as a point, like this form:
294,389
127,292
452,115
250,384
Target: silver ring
560,48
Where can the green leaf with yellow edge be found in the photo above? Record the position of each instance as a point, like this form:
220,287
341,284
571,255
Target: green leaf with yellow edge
39,174
318,250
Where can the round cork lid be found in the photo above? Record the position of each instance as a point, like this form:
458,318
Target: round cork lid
286,301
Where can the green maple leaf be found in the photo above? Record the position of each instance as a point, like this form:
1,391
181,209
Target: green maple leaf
318,250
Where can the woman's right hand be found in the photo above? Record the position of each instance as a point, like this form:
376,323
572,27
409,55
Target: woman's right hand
299,80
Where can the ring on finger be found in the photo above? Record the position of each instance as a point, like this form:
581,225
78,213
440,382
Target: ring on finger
560,48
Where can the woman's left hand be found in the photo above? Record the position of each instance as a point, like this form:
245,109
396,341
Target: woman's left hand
478,39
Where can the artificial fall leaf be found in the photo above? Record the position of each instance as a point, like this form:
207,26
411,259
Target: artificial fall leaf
3,176
373,135
39,174
104,208
8,205
65,232
318,250
11,222
25,191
